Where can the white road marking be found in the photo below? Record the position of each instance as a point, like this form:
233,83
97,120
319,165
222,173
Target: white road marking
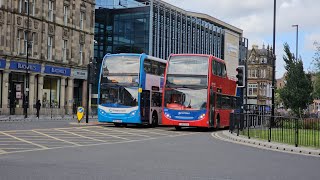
16,148
129,133
2,151
23,140
58,129
86,129
86,142
55,138
89,145
138,130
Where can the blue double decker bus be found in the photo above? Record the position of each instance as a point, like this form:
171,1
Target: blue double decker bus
130,89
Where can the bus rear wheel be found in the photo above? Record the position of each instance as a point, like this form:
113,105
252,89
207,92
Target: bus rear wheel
154,120
178,128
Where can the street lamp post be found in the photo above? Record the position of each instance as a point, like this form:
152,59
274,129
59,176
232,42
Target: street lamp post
88,87
297,40
273,66
26,97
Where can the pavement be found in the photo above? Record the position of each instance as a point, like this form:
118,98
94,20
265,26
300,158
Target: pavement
232,137
42,117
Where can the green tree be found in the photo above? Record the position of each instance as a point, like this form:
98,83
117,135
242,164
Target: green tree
316,56
316,59
297,93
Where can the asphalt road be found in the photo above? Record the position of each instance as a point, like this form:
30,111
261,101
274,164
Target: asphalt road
149,154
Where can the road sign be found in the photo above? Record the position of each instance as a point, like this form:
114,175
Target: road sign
80,113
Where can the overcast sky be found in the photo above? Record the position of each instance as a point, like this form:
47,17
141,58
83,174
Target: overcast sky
255,18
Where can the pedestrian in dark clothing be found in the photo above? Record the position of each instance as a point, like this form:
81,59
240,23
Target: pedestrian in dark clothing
38,106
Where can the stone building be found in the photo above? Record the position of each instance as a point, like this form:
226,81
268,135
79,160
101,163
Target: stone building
59,40
260,75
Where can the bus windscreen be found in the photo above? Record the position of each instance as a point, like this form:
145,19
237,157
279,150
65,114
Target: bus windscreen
186,98
121,65
188,65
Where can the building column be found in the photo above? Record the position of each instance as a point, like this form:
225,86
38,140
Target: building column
62,94
32,100
5,93
69,96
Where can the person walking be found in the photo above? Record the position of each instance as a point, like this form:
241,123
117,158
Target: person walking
38,106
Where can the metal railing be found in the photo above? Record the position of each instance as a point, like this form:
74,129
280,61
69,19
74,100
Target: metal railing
288,130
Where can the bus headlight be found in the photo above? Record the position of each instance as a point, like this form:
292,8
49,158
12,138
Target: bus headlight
102,112
167,115
133,113
201,116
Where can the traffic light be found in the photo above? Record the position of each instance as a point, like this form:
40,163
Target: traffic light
240,76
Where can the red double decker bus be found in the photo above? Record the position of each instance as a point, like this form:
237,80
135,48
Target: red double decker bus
197,92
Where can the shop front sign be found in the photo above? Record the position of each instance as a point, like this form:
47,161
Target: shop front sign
57,70
23,66
2,63
79,74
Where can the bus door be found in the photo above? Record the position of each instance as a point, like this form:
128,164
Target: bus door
212,107
145,106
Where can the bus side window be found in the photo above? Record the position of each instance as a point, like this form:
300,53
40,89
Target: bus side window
156,99
219,100
223,70
162,69
219,69
147,66
216,68
155,68
213,67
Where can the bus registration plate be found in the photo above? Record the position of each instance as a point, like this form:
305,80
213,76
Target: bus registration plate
117,121
183,124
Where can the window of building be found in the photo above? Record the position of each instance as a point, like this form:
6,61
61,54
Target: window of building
25,42
252,89
33,7
26,6
19,41
50,10
263,89
81,20
81,54
20,6
49,55
65,15
252,73
51,92
31,44
64,50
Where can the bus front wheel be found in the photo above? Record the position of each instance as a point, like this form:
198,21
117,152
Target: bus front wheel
117,124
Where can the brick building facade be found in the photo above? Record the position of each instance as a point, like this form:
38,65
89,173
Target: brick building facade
60,44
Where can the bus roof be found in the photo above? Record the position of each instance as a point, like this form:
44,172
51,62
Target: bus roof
204,55
134,54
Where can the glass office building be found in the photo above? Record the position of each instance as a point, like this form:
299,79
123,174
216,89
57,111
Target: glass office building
159,29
